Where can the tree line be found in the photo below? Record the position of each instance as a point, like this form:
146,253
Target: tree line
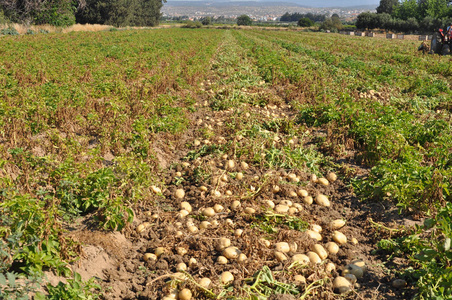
324,22
68,12
408,16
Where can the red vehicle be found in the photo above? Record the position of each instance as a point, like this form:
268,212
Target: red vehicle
442,42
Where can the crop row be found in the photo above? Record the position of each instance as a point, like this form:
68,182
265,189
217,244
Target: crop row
390,106
69,105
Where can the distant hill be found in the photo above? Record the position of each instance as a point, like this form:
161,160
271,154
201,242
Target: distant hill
356,4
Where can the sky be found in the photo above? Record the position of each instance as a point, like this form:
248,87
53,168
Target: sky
311,3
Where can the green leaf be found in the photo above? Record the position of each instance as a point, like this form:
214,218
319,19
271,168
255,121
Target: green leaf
11,279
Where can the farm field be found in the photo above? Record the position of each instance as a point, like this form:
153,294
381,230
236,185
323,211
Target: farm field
135,163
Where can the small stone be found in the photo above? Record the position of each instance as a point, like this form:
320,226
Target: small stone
353,269
360,263
350,277
399,283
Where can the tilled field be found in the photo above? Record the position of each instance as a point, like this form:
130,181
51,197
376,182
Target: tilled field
217,164
280,233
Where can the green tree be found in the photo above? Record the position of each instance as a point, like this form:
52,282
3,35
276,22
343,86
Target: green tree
121,12
387,6
435,8
365,21
54,12
206,21
244,20
305,22
337,23
407,9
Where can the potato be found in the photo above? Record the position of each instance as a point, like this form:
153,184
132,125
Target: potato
282,247
179,193
193,229
332,177
156,189
339,238
321,252
280,256
222,260
292,211
281,209
269,203
226,277
314,235
341,285
242,257
322,200
249,210
185,294
183,213
218,208
159,251
205,225
300,279
323,181
314,257
142,227
149,256
205,282
286,202
314,178
181,251
302,193
308,200
332,248
330,267
316,228
235,204
360,263
230,165
231,252
208,212
186,206
337,224
181,267
302,259
239,176
223,243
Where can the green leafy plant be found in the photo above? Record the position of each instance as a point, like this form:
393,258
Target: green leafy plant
75,288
